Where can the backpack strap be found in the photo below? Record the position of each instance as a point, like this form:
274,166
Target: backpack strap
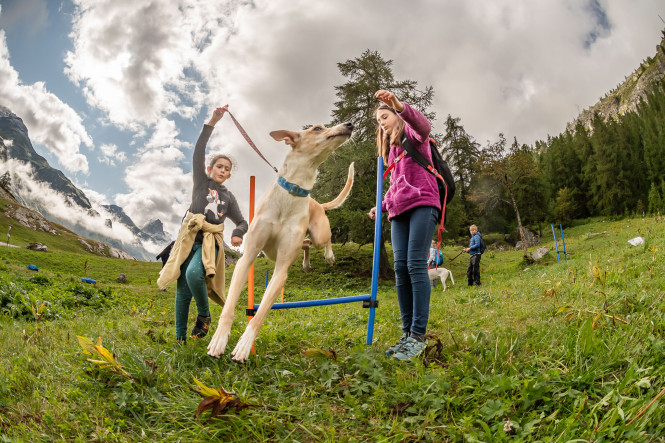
420,159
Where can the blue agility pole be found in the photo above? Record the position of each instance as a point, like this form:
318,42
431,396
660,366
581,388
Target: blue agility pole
556,245
369,300
373,303
323,302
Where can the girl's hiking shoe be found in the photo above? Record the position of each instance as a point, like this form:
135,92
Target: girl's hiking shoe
396,347
201,327
412,348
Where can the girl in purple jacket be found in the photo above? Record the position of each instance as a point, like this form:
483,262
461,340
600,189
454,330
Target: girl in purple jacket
413,207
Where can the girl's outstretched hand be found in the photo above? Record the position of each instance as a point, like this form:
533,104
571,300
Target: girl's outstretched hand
236,241
217,114
389,99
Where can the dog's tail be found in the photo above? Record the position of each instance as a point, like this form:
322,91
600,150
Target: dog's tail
337,202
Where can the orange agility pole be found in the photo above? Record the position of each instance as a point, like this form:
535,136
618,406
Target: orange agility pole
250,276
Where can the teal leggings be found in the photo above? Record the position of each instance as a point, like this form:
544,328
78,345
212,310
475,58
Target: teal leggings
191,283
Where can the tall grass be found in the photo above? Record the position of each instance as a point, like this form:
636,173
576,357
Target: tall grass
544,352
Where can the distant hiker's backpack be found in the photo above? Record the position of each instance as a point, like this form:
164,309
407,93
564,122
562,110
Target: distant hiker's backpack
483,247
439,167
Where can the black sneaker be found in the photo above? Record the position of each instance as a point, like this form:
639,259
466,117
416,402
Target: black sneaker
181,340
201,327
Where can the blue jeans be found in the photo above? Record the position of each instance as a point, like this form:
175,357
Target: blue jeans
191,283
411,233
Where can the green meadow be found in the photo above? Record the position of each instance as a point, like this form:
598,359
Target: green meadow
541,352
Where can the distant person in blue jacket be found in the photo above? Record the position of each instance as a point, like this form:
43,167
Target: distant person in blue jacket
475,250
432,260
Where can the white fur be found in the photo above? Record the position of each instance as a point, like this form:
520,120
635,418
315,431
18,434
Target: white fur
441,273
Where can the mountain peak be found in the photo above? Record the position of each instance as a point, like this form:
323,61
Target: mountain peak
154,227
5,112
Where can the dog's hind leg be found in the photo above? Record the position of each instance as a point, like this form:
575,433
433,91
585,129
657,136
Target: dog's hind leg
451,277
282,263
443,281
319,231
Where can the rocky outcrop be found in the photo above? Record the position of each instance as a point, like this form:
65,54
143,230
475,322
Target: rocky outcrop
101,249
36,246
30,219
531,239
628,94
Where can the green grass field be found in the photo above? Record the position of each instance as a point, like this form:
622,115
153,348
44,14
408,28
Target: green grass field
545,352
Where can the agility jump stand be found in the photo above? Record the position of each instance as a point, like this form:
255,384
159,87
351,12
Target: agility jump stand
368,300
556,245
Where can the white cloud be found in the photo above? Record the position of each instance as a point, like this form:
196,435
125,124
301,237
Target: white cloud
50,122
110,154
158,188
130,58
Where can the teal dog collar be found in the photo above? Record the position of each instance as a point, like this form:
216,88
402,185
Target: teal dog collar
292,188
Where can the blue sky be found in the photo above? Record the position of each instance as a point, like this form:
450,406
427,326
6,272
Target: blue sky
114,92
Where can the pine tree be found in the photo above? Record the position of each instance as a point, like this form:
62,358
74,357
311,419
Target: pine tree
461,152
655,200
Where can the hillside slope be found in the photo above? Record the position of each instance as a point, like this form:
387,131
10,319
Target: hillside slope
29,226
625,97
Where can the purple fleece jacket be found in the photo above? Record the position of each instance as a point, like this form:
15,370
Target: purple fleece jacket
410,184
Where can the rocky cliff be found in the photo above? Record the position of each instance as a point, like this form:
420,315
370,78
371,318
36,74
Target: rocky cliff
625,97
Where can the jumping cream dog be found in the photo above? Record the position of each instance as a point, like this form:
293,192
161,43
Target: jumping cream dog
441,273
279,226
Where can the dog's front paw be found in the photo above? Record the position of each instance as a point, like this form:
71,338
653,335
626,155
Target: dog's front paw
244,346
330,257
219,339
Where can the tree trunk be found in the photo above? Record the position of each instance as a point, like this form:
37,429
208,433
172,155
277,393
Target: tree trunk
385,271
519,223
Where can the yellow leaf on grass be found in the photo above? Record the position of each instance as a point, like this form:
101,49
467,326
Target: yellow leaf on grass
85,343
595,320
563,308
206,391
105,354
319,353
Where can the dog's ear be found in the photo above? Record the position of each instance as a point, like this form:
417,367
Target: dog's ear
289,137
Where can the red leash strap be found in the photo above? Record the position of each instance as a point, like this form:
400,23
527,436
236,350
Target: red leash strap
401,156
249,140
443,219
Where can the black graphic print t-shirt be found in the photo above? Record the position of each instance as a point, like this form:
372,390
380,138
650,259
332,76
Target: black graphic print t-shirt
209,198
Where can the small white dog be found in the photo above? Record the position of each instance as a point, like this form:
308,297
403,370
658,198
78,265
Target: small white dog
441,273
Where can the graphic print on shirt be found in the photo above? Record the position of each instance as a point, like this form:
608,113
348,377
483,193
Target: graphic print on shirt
213,205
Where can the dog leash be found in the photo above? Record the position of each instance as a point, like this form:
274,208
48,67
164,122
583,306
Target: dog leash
249,140
455,257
